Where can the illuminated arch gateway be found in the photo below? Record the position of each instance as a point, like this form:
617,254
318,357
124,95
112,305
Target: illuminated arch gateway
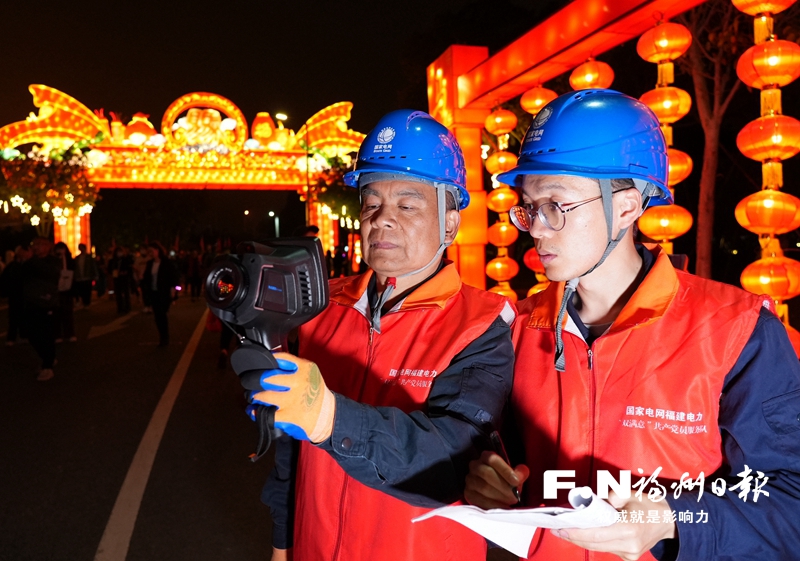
204,144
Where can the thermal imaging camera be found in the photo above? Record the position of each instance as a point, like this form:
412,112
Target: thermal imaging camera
264,292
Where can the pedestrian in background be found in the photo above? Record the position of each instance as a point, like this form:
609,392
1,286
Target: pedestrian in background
85,275
12,282
120,267
139,266
160,278
65,317
40,278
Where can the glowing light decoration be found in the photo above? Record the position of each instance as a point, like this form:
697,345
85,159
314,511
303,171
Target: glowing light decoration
770,137
534,99
665,223
502,268
501,200
769,212
500,121
773,137
591,74
757,7
661,45
680,166
499,162
779,277
668,103
664,43
203,149
772,63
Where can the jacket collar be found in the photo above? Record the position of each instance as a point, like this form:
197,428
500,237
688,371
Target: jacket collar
434,293
649,302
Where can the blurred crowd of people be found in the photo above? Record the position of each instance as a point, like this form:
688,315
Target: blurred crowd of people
44,285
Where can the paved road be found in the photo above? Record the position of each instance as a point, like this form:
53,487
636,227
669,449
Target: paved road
132,452
68,446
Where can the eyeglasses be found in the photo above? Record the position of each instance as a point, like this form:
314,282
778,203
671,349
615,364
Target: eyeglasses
552,215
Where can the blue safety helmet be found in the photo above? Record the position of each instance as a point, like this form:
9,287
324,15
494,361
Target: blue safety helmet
600,134
414,145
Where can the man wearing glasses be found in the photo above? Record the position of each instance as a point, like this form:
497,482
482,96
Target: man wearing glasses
624,363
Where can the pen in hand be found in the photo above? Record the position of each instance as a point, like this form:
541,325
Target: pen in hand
497,444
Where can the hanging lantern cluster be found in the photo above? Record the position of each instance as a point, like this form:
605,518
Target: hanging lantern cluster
662,45
769,65
502,234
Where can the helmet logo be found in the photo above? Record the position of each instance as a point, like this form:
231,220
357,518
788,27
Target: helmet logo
386,135
541,117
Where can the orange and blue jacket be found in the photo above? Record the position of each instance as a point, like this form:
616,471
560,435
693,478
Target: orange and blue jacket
686,379
413,402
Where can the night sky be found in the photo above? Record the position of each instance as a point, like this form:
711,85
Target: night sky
297,58
289,57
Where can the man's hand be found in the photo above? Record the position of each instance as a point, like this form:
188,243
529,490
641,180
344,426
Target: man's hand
490,480
306,407
628,540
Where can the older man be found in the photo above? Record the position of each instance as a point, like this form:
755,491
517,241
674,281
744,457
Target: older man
625,363
402,376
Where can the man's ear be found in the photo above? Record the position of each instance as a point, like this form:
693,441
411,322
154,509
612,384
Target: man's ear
452,220
628,206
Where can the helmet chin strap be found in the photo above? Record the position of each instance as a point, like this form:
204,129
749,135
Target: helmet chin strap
572,284
391,282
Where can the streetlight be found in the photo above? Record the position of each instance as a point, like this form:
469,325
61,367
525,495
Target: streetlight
277,224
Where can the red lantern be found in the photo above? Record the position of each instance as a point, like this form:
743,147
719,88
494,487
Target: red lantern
755,7
500,121
501,200
770,137
778,277
504,289
591,74
769,212
680,166
502,269
502,234
668,103
499,162
664,223
536,98
664,42
536,288
532,261
771,63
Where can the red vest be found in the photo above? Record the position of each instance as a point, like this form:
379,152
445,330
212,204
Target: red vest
646,394
338,518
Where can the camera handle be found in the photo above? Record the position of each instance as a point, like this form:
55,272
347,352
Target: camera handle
249,361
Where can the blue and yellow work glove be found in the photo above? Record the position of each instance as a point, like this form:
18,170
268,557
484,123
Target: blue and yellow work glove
305,406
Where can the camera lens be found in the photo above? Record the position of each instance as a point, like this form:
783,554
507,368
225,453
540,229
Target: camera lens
226,286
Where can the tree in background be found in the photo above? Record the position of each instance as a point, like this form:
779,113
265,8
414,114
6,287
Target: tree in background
48,186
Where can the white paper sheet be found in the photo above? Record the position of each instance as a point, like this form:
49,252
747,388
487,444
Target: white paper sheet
513,530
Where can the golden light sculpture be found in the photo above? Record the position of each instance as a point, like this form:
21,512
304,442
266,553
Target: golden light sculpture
62,121
770,139
203,144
